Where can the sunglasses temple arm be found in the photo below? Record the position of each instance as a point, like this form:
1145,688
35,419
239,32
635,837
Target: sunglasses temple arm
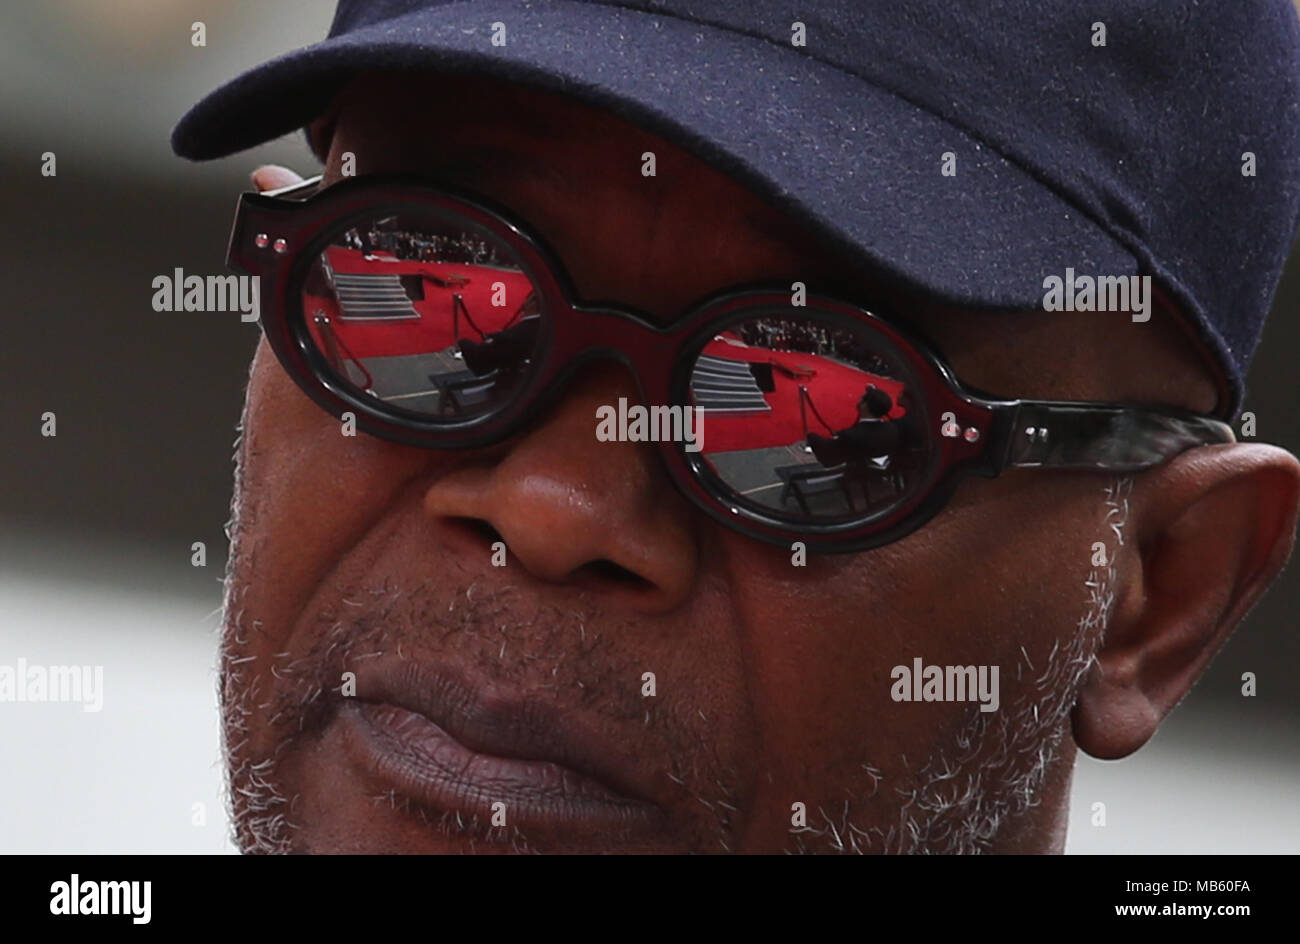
1044,434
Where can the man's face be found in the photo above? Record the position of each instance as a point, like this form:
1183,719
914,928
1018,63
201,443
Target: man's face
771,682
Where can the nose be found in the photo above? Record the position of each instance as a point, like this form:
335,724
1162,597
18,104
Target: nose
575,510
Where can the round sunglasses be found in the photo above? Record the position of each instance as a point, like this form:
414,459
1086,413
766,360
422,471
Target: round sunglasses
438,320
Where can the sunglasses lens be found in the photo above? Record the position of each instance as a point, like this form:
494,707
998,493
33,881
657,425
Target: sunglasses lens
810,420
425,312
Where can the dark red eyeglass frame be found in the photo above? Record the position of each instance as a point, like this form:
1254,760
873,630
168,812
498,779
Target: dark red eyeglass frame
276,236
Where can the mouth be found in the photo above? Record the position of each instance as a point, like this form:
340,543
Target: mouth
498,760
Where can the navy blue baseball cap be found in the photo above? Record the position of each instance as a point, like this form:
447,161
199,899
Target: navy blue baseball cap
1115,137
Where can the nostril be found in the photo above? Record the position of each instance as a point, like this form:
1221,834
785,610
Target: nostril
608,570
479,527
601,570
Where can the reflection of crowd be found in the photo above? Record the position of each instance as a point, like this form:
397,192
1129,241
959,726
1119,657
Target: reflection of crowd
810,337
782,335
462,249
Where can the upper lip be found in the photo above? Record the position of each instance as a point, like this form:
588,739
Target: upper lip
488,721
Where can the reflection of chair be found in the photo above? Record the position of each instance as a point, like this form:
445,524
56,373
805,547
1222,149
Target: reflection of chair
801,481
864,452
913,452
461,388
502,351
469,394
491,361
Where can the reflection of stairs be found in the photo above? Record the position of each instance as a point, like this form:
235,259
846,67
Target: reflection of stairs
726,386
373,296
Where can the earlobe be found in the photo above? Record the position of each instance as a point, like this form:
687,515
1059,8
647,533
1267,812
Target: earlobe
1213,529
1112,721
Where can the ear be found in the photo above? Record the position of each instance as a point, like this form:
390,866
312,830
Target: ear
1213,528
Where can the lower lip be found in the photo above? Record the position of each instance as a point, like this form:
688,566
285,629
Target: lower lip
423,762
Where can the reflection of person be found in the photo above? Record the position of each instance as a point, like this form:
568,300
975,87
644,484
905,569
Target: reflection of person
874,404
345,547
873,435
907,403
911,450
867,447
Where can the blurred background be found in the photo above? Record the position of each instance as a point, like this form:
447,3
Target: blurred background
97,524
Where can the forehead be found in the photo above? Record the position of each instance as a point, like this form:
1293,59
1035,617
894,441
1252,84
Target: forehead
598,183
579,176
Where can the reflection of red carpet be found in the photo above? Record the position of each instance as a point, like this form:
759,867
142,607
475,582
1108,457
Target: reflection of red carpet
835,391
433,331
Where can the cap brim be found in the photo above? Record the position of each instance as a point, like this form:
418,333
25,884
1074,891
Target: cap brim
859,162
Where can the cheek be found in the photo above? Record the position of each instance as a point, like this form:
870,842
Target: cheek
308,493
1004,566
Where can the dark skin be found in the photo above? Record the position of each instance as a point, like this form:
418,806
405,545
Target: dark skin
773,680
